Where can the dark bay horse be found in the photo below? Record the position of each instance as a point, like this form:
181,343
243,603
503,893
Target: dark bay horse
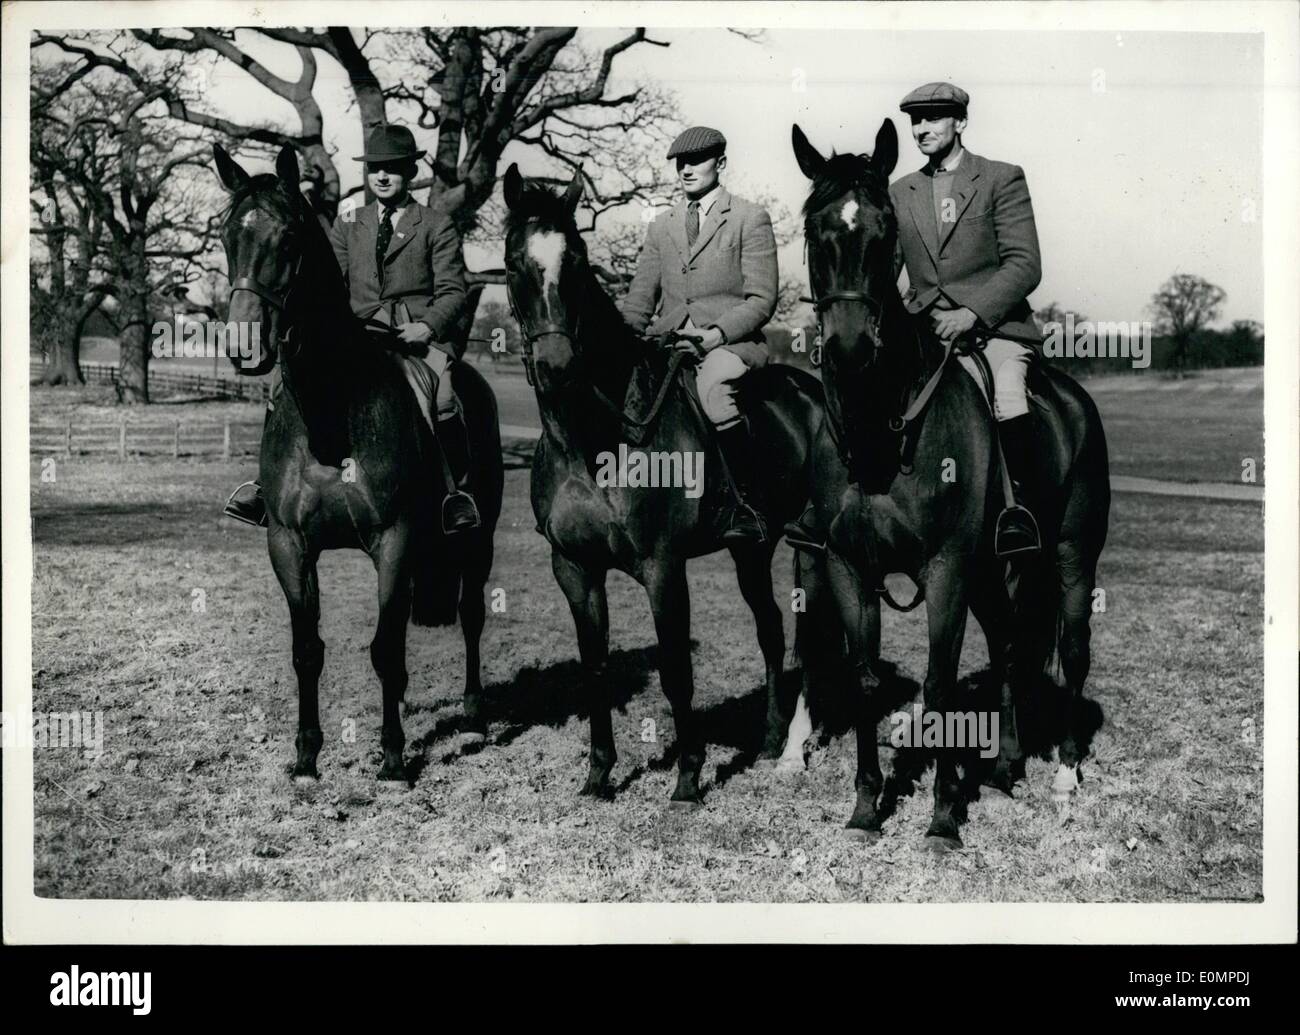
925,501
590,370
346,457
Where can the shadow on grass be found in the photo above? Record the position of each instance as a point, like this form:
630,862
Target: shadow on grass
118,524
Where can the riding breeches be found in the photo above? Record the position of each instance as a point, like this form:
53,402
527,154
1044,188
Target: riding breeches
430,380
1009,361
713,381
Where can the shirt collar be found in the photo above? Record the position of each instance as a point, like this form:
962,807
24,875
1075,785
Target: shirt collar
950,164
707,201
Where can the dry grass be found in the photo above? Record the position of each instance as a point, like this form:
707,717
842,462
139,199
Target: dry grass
191,796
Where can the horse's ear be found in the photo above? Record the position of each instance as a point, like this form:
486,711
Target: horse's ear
885,156
810,159
573,193
232,175
512,185
286,167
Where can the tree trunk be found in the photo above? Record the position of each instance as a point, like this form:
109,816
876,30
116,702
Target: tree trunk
64,364
133,361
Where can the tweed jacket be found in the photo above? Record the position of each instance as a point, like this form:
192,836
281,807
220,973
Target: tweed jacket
987,260
423,269
728,279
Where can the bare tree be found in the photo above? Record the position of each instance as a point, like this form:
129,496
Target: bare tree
143,180
1184,305
69,241
482,89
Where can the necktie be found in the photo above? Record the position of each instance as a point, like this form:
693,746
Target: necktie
692,223
385,237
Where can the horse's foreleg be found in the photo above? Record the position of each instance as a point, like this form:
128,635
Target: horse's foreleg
992,609
295,567
472,616
585,590
860,613
388,648
671,604
945,597
1078,577
754,573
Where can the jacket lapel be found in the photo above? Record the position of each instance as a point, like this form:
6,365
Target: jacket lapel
677,229
717,216
921,206
965,183
404,232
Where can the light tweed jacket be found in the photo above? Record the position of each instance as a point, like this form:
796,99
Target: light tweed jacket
728,279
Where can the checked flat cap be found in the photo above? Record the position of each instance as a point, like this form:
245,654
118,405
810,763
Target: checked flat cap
696,140
936,95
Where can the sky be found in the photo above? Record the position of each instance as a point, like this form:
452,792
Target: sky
1142,151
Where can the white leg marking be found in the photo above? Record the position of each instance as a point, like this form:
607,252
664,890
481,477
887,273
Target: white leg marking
791,759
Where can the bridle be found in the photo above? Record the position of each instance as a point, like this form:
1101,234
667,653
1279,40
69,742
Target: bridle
279,300
875,307
541,331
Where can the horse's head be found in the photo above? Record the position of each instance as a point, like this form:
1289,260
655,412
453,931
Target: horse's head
546,274
850,229
265,238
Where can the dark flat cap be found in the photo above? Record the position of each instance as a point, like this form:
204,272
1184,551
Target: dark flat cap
936,95
698,139
390,144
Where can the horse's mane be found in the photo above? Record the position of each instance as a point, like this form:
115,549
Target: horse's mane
841,174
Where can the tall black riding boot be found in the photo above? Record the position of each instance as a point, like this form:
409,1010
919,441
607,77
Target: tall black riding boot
459,511
246,504
744,523
1017,530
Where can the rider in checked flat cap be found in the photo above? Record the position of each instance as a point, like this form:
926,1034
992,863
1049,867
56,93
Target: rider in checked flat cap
966,234
403,266
708,267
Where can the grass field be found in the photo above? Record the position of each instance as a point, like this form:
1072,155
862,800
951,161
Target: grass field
191,797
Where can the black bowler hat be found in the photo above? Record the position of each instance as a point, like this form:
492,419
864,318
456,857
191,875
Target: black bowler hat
390,144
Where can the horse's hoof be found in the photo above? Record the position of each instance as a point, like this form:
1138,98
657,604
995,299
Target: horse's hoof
472,739
1064,785
306,779
790,766
685,804
600,790
939,845
862,834
394,784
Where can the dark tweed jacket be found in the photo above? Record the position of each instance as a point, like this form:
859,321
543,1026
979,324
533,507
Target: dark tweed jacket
987,260
423,268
